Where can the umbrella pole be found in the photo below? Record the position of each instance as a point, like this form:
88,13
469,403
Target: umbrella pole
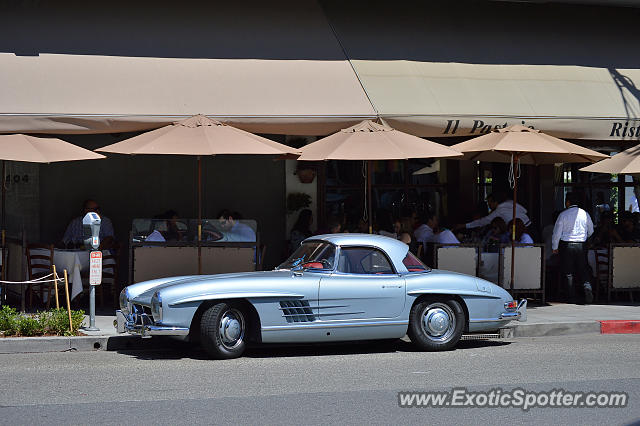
4,191
199,215
369,164
516,159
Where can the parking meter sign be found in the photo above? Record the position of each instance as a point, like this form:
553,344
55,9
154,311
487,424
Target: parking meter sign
95,268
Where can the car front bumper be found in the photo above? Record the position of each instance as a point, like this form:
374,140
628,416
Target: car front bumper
142,325
520,314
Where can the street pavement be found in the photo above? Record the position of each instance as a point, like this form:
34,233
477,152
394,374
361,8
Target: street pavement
346,384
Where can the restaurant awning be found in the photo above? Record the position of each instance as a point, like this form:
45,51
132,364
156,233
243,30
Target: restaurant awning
456,99
54,93
263,67
312,67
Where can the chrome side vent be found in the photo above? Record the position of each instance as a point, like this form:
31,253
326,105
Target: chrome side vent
297,311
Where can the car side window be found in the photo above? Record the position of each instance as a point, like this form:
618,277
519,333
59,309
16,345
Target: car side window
363,260
413,264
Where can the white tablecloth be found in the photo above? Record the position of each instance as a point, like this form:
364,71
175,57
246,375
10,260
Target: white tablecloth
75,262
489,265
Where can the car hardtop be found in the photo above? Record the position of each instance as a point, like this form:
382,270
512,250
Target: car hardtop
395,249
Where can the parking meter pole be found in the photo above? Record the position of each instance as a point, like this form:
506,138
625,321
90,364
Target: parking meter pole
92,310
91,225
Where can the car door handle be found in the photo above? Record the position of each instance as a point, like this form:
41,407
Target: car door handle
391,286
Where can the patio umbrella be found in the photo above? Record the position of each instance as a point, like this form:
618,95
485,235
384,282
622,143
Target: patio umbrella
625,162
31,149
523,145
371,141
199,135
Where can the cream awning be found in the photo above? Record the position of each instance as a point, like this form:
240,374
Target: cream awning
271,67
456,99
54,93
312,67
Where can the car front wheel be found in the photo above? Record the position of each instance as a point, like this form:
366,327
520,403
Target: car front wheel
222,331
436,324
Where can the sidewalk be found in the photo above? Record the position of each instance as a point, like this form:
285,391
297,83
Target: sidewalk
558,319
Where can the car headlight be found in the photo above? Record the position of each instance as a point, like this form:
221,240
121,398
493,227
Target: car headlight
156,307
124,301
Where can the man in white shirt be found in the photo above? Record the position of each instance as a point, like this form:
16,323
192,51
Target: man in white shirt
424,233
570,233
500,207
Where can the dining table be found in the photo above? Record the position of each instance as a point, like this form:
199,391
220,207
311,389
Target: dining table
76,263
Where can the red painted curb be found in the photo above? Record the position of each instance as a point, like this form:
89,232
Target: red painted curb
620,327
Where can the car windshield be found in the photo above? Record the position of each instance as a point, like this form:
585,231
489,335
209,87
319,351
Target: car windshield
312,255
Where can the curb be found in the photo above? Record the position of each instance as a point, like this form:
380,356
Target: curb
620,327
16,345
551,329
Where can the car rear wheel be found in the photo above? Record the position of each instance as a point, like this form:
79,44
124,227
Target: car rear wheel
222,331
436,324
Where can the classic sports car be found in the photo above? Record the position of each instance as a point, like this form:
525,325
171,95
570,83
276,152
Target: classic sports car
338,287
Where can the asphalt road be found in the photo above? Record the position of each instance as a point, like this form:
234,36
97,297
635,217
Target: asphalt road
352,384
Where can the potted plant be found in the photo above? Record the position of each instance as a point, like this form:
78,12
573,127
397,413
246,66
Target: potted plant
297,201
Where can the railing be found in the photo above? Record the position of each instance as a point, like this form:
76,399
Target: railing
623,269
469,259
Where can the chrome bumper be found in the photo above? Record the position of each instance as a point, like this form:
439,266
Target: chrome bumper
520,314
142,325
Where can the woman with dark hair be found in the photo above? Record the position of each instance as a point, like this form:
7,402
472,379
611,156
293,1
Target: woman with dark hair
301,229
522,237
496,235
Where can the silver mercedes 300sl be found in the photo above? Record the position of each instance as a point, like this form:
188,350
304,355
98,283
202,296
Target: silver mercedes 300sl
338,287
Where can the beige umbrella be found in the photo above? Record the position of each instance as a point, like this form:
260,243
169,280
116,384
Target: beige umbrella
32,149
626,162
373,141
523,145
199,135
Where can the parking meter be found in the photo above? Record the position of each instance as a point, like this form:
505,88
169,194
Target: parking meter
91,229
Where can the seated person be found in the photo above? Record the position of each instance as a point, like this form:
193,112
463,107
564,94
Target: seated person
165,228
626,228
606,232
334,226
301,229
424,233
232,229
74,234
496,235
522,237
445,236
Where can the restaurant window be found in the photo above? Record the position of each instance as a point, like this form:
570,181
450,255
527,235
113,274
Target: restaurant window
484,180
598,192
398,186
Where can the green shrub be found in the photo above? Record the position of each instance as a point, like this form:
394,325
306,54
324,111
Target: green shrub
8,321
54,321
28,325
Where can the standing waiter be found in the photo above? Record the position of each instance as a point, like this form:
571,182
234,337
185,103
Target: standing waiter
570,233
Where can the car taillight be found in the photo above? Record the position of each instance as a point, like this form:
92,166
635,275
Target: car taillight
511,305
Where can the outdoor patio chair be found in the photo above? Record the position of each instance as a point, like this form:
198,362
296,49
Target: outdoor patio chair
39,264
602,272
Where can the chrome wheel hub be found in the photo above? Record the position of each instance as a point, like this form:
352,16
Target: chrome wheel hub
231,328
438,322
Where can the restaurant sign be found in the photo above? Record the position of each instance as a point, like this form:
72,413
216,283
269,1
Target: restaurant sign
572,128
